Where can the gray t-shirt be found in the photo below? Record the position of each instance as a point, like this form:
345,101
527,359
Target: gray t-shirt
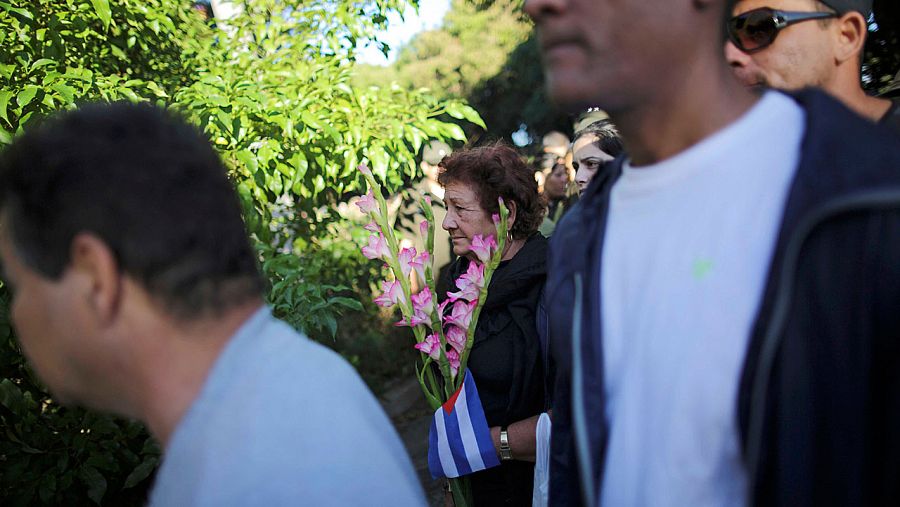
282,420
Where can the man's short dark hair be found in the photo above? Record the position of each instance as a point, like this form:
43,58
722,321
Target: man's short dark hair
146,183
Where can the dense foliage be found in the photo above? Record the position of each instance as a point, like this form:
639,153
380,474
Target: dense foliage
271,88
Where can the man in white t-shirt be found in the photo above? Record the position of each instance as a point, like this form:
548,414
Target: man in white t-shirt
137,292
722,304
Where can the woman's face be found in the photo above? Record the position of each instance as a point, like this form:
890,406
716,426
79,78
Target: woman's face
465,217
587,159
555,186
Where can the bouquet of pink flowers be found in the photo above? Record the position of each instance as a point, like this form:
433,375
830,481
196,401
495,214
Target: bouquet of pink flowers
444,332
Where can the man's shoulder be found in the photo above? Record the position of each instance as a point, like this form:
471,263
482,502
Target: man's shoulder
891,119
285,411
843,152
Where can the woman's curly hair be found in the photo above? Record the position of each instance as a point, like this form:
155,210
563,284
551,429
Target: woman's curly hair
495,171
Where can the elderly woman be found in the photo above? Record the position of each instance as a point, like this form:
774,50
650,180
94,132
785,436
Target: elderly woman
505,360
594,146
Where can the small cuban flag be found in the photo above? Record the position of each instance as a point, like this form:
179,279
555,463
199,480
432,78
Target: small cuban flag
459,442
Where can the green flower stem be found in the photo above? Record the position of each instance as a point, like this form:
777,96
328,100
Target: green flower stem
432,400
444,363
462,493
428,211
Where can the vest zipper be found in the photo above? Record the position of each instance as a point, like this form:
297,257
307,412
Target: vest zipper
579,418
863,201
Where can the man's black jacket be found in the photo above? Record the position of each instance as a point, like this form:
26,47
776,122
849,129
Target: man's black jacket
819,400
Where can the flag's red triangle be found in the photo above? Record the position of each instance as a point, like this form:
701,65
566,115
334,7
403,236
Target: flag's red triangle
451,402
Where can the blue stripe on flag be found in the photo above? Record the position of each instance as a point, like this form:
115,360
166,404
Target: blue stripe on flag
434,462
455,439
476,413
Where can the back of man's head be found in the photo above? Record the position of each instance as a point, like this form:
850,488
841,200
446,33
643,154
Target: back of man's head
146,184
863,7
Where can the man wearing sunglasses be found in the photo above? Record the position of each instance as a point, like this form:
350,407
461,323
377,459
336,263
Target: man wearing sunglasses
723,301
793,44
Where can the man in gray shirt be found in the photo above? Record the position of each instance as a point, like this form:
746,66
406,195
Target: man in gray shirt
136,291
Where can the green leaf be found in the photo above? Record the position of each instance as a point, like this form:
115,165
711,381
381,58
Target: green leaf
347,302
4,103
472,115
140,472
129,94
101,7
95,482
6,70
43,62
331,325
27,95
454,131
10,396
247,158
65,91
23,14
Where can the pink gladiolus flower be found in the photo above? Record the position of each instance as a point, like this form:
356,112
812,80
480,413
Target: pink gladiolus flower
496,219
428,199
417,319
367,203
406,257
442,306
363,168
372,227
453,358
392,292
423,304
423,301
461,315
377,248
420,318
431,345
419,264
456,337
423,228
469,283
482,248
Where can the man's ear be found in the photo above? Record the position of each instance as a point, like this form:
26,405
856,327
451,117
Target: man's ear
851,30
93,260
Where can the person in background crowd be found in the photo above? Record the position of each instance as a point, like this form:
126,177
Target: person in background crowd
554,148
595,146
136,291
793,44
556,193
555,144
723,302
506,360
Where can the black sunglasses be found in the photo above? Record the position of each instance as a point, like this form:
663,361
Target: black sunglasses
756,29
